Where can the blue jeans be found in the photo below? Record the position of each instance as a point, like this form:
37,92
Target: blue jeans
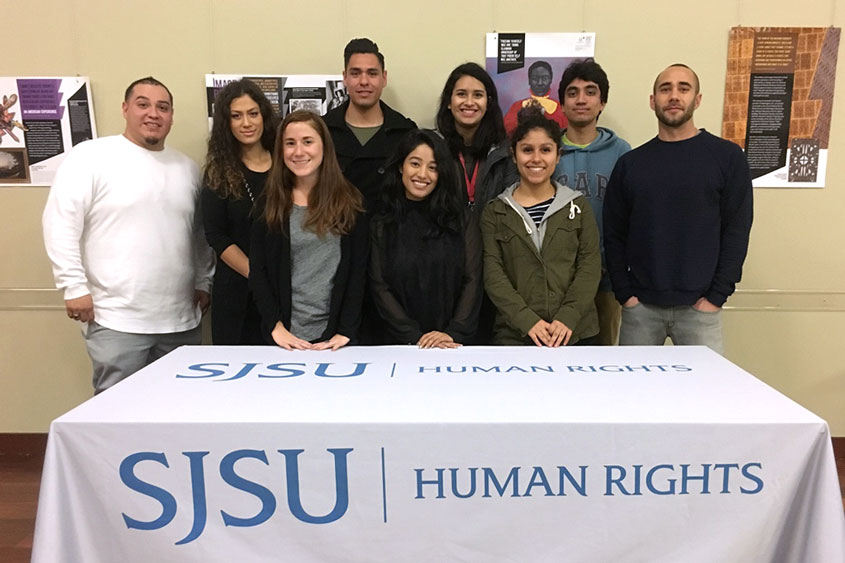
649,325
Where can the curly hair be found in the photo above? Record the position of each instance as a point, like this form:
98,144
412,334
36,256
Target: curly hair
531,118
222,171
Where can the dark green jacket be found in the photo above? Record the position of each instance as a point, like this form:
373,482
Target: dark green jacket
556,282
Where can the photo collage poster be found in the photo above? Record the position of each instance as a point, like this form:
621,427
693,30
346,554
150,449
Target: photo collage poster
317,93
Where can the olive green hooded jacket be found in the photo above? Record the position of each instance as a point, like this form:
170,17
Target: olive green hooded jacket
550,272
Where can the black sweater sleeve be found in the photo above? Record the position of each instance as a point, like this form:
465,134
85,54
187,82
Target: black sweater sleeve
737,214
261,279
615,213
214,221
402,328
349,318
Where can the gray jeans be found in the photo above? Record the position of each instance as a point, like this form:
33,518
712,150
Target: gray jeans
649,325
116,355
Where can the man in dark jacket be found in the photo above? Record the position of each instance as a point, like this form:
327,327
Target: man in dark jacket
677,217
365,129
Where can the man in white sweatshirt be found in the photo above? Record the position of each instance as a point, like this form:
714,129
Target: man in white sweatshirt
122,231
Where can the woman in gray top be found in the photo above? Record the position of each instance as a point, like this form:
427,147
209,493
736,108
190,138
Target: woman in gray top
309,249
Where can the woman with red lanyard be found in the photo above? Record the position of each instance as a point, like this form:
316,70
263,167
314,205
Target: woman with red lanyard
470,120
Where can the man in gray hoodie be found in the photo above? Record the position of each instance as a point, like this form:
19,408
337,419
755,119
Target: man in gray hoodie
589,155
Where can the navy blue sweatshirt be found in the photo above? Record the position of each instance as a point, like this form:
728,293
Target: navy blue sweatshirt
677,216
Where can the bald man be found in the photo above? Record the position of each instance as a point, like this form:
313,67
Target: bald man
677,217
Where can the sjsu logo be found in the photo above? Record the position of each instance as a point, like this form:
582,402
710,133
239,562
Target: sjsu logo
227,372
169,506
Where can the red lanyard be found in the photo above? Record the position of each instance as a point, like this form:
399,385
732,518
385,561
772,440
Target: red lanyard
470,183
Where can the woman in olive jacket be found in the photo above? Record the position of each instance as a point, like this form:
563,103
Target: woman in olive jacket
541,249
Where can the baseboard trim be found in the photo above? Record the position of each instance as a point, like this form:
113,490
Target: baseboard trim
19,446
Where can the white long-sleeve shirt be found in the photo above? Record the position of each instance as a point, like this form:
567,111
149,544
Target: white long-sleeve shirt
122,223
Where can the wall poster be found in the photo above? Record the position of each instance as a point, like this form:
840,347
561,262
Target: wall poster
318,93
41,119
779,101
526,68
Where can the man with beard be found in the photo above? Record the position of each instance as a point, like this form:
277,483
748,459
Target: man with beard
127,245
589,154
677,217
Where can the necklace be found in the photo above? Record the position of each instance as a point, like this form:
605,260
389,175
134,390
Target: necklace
249,192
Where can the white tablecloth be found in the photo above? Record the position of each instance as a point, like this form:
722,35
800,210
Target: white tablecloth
477,454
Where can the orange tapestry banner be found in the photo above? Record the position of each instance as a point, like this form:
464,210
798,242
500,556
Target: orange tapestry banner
779,101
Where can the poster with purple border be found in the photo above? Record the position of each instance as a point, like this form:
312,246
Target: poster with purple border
41,118
526,68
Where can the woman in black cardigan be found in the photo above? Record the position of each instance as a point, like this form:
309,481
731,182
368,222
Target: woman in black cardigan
309,248
425,255
236,168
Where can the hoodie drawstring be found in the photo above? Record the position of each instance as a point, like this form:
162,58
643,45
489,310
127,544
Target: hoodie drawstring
573,209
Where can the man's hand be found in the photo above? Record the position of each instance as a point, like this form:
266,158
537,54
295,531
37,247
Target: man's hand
203,299
80,309
631,302
705,306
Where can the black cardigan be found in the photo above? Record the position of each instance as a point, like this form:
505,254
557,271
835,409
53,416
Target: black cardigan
271,285
228,221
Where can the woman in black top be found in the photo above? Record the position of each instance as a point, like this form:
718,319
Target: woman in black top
236,167
425,255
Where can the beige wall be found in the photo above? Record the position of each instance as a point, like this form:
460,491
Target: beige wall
784,325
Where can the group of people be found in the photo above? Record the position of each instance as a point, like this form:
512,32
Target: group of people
360,228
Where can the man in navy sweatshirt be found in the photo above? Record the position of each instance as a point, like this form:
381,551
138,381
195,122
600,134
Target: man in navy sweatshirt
589,154
677,216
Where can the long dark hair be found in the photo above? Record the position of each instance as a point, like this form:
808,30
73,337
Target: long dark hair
333,204
490,131
222,171
444,204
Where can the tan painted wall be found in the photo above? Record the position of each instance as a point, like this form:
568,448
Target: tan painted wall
785,324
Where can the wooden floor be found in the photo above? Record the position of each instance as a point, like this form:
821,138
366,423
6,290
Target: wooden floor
20,476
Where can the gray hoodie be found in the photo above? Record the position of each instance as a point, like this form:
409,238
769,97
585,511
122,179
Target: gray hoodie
564,198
